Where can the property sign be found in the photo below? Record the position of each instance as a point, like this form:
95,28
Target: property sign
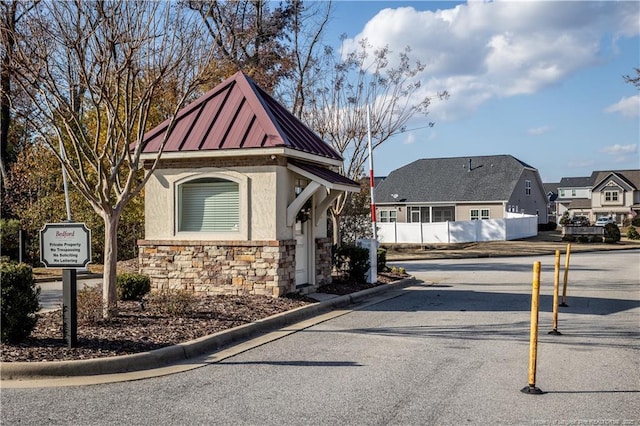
65,245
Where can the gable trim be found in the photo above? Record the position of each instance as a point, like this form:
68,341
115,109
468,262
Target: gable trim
617,179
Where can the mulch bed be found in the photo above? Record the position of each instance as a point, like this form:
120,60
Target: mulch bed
133,330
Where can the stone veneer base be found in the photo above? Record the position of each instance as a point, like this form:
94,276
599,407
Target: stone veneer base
228,267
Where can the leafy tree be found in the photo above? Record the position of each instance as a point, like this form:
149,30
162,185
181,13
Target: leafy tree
93,70
250,35
35,196
12,14
336,105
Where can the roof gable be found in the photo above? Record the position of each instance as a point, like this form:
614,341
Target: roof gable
236,114
627,179
490,178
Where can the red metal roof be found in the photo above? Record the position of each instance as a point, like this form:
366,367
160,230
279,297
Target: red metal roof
236,114
325,174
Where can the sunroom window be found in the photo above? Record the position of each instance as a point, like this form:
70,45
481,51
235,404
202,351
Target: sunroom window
209,205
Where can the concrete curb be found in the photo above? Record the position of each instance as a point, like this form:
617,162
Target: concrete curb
184,351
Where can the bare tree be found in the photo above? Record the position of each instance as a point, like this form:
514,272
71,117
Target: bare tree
309,23
635,80
95,70
336,105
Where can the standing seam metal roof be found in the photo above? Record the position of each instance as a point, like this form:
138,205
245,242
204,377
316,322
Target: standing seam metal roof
236,114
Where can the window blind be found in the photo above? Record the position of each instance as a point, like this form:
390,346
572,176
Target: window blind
210,206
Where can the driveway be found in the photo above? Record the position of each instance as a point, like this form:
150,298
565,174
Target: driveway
450,350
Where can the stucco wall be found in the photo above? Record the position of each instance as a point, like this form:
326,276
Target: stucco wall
265,193
258,208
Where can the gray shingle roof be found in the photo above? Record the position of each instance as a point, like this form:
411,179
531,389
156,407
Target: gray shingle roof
491,178
576,182
631,177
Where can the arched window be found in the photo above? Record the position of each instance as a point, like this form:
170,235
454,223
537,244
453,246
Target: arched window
209,205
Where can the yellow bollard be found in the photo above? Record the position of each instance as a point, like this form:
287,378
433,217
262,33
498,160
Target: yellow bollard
533,338
556,284
566,276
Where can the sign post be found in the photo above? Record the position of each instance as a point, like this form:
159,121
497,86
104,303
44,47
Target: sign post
67,246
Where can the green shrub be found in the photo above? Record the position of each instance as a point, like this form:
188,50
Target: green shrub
10,238
611,233
595,239
352,261
89,304
583,239
398,270
382,259
172,302
636,221
19,302
568,238
632,233
132,286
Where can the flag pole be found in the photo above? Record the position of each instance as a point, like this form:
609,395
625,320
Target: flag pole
371,178
373,250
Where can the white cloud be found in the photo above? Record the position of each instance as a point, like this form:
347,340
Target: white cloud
537,131
410,139
628,107
618,149
483,50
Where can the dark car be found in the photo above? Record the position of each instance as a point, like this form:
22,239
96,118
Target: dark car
580,221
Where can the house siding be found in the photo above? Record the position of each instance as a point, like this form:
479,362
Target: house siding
463,211
533,204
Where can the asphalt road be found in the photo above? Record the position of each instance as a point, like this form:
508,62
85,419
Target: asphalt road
449,351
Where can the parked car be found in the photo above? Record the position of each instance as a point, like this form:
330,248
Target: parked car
580,221
602,221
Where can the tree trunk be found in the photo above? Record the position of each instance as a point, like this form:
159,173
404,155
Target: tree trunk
5,87
109,290
335,220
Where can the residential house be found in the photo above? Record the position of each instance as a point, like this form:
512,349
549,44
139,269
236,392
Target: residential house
574,196
551,189
461,189
614,193
238,201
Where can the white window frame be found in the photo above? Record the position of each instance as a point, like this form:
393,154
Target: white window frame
480,214
611,196
527,187
239,232
388,215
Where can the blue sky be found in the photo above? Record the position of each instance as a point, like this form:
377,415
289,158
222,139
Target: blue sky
541,80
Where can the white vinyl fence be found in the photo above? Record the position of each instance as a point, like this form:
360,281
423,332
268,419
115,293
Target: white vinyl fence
510,228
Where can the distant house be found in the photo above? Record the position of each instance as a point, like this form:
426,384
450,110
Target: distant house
614,193
551,189
238,201
461,189
574,196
